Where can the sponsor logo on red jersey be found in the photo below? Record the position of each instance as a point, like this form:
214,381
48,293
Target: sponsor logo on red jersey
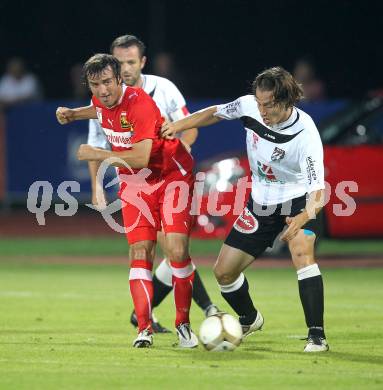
123,139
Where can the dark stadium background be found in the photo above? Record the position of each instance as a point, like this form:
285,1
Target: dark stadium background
218,48
218,45
64,290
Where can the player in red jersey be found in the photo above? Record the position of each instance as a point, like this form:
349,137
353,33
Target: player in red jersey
154,175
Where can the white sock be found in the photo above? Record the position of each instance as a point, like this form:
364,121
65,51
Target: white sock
164,273
308,272
236,285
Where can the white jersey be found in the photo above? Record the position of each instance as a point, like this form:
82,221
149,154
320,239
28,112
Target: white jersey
286,159
167,97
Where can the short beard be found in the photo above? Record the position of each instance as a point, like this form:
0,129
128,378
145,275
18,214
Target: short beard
131,84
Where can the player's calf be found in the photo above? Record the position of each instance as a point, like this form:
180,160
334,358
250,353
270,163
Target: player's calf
141,288
183,275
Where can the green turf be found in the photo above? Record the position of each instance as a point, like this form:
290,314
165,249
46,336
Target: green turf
117,246
66,327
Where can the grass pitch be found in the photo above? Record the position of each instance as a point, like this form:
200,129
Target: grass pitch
67,327
117,246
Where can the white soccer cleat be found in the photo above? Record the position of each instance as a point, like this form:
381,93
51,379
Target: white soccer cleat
186,337
256,325
144,339
316,344
211,310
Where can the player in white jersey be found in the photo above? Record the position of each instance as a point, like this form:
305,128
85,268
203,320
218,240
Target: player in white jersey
286,158
130,52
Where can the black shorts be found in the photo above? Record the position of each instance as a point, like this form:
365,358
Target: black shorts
258,226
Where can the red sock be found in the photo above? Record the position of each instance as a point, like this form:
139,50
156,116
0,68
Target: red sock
141,289
183,276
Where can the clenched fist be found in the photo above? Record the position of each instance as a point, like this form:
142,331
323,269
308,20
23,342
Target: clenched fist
87,152
64,115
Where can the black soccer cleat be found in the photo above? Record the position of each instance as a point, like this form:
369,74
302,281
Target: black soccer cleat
156,326
256,325
133,319
211,310
316,344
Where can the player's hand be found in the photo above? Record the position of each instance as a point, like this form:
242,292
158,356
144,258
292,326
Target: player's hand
64,115
99,199
294,225
168,130
86,152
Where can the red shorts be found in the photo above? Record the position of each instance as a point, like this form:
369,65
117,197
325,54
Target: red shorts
163,204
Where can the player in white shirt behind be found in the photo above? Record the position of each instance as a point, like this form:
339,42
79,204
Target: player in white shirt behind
130,52
285,153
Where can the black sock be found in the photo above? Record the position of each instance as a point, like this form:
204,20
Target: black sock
311,294
241,303
160,291
200,294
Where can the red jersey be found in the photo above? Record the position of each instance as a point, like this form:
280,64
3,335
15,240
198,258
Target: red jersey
135,118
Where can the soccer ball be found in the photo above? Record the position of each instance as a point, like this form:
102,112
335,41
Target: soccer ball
220,332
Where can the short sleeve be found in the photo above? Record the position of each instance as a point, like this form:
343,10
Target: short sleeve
145,118
179,114
311,162
175,102
232,110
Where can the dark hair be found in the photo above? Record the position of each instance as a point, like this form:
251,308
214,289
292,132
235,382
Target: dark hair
99,62
126,41
287,92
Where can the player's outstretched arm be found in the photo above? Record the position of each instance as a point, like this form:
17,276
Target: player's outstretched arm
200,118
98,193
189,136
137,157
66,115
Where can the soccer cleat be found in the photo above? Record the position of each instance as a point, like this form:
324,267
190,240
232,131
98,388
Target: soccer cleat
133,319
211,310
316,344
256,325
156,326
144,339
186,337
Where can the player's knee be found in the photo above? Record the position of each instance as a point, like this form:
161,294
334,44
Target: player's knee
223,276
177,251
140,252
301,256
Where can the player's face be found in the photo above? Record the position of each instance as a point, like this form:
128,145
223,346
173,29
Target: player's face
271,112
131,64
106,87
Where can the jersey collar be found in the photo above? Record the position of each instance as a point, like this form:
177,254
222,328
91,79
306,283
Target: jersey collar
120,99
291,121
